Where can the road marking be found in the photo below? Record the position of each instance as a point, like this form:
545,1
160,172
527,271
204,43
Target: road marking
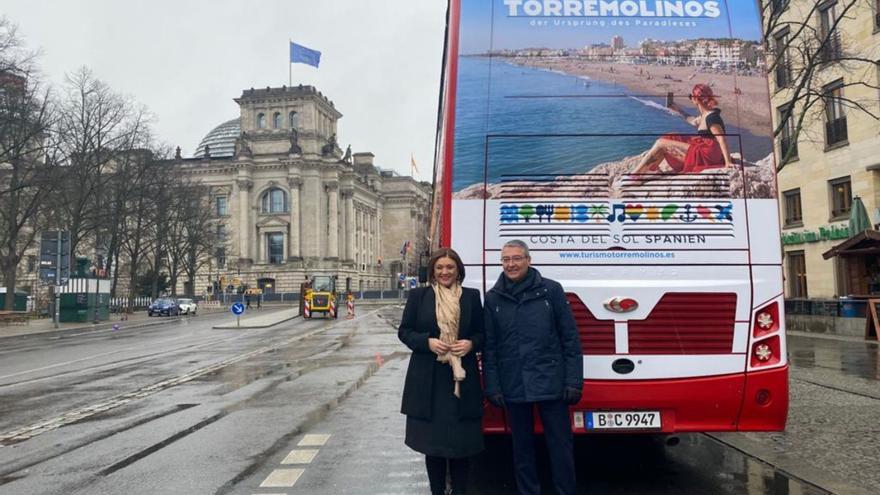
313,440
27,432
124,349
282,478
304,456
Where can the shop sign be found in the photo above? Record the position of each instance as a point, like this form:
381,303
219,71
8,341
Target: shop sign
827,233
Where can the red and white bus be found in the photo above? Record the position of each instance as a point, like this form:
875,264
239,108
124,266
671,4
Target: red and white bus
571,125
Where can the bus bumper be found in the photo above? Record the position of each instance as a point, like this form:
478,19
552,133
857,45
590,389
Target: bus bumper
757,401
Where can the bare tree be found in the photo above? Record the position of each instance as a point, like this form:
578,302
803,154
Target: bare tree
193,235
808,52
135,231
28,165
96,126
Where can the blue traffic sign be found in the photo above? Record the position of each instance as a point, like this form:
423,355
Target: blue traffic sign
413,283
237,308
401,277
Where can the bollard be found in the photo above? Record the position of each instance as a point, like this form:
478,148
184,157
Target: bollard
350,304
307,309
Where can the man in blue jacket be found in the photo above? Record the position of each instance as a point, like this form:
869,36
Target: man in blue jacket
532,357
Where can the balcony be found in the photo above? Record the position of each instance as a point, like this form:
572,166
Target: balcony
831,50
835,132
783,75
787,148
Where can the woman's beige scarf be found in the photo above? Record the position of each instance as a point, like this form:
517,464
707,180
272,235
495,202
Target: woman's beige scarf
448,310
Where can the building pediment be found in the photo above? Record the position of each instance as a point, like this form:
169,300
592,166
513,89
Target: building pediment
221,190
273,221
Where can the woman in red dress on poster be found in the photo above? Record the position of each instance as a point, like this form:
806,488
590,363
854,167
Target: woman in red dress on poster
692,154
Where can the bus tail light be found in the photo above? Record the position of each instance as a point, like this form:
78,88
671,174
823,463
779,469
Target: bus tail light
766,320
765,352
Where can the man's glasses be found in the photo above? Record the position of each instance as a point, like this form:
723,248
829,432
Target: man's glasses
513,259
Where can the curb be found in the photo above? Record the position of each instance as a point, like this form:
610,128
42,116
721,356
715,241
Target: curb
107,325
788,464
230,326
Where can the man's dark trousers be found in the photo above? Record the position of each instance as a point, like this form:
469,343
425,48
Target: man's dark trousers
557,434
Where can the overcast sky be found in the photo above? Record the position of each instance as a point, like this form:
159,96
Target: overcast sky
187,59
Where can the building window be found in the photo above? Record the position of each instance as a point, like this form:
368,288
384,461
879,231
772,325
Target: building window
787,142
274,201
276,121
31,263
841,198
876,15
293,120
220,206
261,121
783,63
275,242
778,6
793,214
835,119
829,36
221,232
797,274
220,255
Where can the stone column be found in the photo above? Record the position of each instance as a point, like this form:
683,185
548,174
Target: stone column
311,227
371,237
244,218
333,219
348,201
294,241
359,239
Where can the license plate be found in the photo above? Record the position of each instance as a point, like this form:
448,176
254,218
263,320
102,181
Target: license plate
623,420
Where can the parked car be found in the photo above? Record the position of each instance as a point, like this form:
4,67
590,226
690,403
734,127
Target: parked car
187,306
164,306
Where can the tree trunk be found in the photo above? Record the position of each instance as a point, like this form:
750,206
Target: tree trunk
9,276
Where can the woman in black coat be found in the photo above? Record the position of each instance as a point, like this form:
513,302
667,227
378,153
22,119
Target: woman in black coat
442,398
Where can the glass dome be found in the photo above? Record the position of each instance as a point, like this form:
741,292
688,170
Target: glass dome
221,140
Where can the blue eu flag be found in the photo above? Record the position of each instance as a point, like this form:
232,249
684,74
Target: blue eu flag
302,55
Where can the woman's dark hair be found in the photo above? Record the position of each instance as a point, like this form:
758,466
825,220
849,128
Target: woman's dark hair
445,253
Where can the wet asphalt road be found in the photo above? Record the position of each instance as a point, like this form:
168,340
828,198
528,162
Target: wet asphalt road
182,408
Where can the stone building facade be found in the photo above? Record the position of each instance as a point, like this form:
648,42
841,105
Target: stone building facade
835,159
290,204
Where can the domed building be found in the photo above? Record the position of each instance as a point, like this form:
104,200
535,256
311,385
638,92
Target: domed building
220,142
291,205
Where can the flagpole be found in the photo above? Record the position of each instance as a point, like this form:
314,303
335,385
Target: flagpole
289,64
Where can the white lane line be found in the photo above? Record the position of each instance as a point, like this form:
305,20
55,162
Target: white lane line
303,456
68,417
313,440
282,478
95,356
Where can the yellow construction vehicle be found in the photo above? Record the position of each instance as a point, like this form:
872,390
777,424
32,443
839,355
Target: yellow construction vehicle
319,296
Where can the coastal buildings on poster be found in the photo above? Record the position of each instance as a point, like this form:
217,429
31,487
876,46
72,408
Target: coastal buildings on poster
835,158
717,53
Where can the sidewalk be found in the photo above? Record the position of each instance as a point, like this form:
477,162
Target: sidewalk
260,320
135,320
